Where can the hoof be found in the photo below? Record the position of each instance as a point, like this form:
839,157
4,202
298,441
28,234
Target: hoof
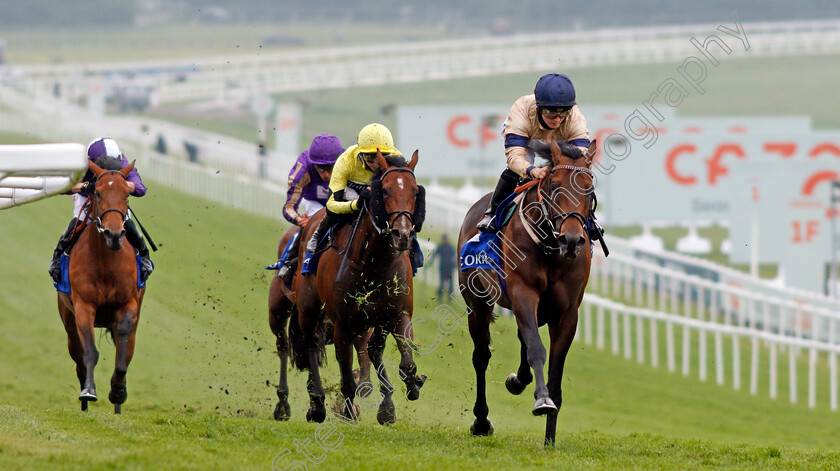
513,385
414,390
316,414
118,396
282,411
483,428
386,417
88,395
543,406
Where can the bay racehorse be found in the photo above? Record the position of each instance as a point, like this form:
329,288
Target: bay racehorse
374,290
281,308
103,279
545,258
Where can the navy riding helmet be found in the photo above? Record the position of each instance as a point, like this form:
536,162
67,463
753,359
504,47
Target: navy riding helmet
555,90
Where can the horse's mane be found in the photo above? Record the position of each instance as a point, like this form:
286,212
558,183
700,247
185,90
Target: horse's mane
377,201
543,149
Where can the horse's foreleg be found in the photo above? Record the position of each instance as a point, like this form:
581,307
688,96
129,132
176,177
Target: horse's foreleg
562,335
279,312
517,382
387,413
479,324
524,303
124,338
317,411
344,357
85,314
404,335
74,343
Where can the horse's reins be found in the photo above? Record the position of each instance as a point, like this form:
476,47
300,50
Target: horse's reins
547,209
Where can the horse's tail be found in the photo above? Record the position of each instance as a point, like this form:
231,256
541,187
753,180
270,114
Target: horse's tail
297,347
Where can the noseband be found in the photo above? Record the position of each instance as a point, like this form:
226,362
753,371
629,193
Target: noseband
98,220
396,214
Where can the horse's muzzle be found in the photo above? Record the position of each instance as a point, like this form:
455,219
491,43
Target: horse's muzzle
571,245
113,239
401,239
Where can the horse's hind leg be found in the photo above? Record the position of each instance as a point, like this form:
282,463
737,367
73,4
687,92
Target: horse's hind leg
387,413
479,324
517,382
361,344
279,312
125,330
561,335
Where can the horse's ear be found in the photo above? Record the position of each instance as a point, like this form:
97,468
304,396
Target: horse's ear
414,158
128,168
591,153
383,164
555,150
97,171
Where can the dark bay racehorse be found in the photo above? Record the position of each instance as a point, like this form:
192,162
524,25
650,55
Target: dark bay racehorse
374,291
545,267
103,278
281,308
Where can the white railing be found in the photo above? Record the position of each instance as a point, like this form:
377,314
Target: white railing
681,284
640,329
32,172
236,78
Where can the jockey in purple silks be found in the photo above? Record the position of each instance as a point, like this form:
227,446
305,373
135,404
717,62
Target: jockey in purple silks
309,188
98,148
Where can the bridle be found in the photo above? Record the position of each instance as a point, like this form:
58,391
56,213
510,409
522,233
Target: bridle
98,220
396,214
574,214
552,216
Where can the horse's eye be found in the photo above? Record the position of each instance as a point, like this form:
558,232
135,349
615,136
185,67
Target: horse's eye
384,192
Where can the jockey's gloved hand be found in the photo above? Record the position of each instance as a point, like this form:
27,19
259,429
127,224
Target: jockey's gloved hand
364,195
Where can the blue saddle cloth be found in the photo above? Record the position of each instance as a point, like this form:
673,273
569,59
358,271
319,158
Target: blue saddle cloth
481,251
64,266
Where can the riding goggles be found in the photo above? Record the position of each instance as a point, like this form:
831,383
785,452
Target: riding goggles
552,112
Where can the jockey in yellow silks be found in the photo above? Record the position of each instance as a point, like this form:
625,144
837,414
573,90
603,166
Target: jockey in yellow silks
357,164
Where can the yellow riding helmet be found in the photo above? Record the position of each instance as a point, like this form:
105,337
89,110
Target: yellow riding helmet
376,136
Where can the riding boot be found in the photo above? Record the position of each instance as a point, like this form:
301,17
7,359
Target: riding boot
505,186
136,239
290,265
64,244
330,218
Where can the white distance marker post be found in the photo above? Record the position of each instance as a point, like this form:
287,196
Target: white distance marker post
32,172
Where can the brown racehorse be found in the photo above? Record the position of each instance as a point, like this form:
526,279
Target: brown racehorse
103,278
375,290
545,272
281,308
